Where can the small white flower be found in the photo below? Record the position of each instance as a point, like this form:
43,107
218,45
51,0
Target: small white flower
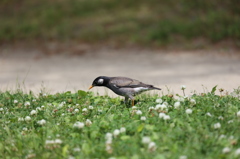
58,141
226,150
20,119
116,132
193,101
25,129
237,152
220,118
189,111
63,114
47,142
76,149
139,112
151,108
33,112
42,107
78,125
182,157
27,118
230,121
209,114
143,118
177,105
42,122
88,122
152,146
90,107
108,136
15,101
1,109
134,107
166,117
183,87
84,110
76,110
161,115
159,100
181,99
146,140
38,109
34,100
222,136
27,103
238,114
122,129
160,107
100,110
217,126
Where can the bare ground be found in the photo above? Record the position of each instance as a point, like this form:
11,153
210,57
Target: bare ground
36,69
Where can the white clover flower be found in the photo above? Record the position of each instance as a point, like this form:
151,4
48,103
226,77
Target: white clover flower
34,100
151,108
58,141
100,110
177,105
33,112
84,110
78,125
90,107
38,109
209,114
159,100
189,111
1,109
122,130
108,136
27,118
161,115
116,132
182,157
230,121
217,126
166,117
139,112
76,110
226,150
183,87
220,118
15,101
25,129
222,136
152,146
27,103
62,114
76,149
48,142
237,152
134,107
143,118
88,122
238,114
161,107
146,140
181,99
41,122
20,119
193,101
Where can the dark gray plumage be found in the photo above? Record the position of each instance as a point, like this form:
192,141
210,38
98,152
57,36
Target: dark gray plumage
123,86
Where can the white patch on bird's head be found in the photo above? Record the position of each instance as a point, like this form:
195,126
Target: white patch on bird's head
100,81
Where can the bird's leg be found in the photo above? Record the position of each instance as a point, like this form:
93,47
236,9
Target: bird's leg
126,100
132,98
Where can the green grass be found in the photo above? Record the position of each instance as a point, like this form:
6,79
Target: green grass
196,135
150,22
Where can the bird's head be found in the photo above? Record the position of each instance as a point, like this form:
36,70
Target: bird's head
100,81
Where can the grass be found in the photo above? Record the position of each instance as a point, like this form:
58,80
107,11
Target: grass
151,22
202,125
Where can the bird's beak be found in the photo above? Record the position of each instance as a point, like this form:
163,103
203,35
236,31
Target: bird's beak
90,87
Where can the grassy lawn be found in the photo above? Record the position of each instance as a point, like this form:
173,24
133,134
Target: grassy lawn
155,22
84,125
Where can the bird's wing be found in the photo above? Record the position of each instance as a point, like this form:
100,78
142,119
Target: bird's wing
126,82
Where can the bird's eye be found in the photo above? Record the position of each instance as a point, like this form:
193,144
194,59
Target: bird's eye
100,81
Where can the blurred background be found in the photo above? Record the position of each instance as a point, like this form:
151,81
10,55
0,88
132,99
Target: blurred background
62,45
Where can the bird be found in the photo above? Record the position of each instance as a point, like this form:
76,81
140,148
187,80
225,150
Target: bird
123,86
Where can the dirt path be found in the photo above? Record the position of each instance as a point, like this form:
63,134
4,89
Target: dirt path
57,73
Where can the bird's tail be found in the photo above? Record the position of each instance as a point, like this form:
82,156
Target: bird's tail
152,87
